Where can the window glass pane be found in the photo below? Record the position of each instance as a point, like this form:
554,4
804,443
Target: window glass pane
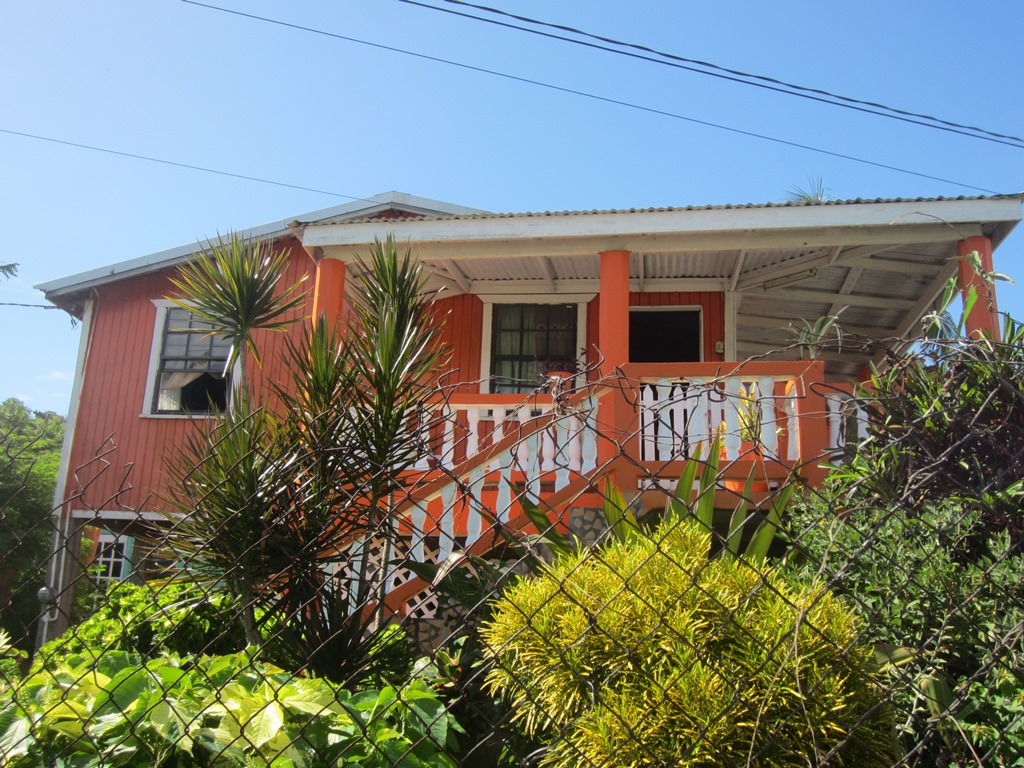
524,334
190,376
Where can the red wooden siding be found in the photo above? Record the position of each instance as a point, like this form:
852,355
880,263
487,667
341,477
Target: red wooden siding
463,318
713,317
114,395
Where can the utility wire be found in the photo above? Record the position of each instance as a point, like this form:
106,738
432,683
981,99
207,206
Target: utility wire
147,158
725,73
585,94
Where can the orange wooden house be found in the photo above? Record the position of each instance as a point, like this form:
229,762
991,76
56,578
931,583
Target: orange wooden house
678,317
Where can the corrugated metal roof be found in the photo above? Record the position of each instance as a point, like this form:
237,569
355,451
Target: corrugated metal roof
668,209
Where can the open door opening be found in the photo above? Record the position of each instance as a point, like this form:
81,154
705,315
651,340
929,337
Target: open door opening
662,335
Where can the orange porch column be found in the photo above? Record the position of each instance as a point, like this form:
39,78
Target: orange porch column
983,319
613,332
329,291
613,312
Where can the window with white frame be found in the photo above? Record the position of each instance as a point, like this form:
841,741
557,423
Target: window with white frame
525,336
113,557
187,373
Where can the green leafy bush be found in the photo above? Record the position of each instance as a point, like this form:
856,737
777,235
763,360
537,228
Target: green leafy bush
229,710
646,651
948,609
945,424
152,618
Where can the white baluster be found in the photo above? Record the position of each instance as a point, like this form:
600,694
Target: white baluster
679,404
473,434
575,443
666,436
561,434
497,432
474,520
648,421
423,416
419,518
548,449
862,420
697,415
522,449
446,539
505,487
834,408
735,398
532,466
769,418
792,427
589,451
448,443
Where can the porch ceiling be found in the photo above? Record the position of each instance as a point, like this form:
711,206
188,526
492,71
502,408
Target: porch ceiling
883,263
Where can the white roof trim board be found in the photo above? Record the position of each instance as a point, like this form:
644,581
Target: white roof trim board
155,261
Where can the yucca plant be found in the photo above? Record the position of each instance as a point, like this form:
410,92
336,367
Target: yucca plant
235,284
279,506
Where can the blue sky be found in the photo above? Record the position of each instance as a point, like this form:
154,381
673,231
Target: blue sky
185,83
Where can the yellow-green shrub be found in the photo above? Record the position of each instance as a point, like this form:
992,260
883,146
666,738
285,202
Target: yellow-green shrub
646,651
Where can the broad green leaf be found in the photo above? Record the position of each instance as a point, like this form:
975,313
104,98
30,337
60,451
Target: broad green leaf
757,549
264,725
15,732
737,520
558,543
617,514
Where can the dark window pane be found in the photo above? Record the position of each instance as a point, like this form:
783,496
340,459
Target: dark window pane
524,334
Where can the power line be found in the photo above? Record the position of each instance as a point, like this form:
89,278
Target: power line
585,94
725,73
175,163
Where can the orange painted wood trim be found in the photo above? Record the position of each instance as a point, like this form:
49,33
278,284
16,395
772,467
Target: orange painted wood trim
983,319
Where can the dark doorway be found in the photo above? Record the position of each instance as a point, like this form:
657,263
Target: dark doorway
664,336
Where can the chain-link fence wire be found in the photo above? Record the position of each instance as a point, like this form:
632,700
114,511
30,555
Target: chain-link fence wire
548,585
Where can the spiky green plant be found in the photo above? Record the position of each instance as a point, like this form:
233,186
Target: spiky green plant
648,653
272,502
235,284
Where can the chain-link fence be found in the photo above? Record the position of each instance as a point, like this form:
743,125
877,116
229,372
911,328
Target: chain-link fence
622,571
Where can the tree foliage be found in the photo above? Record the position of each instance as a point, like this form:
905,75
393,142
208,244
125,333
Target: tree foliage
946,424
30,445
